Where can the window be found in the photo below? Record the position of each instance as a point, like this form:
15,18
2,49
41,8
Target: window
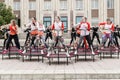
64,19
32,5
63,4
112,19
94,4
78,19
110,4
47,4
16,5
79,4
95,21
47,21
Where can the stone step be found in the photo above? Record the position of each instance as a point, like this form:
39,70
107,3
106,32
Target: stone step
59,76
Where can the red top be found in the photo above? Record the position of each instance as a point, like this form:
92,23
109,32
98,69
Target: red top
103,23
62,27
13,30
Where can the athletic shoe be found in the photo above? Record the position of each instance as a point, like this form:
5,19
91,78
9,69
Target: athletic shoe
5,51
24,51
75,52
67,54
20,51
93,53
98,50
116,47
102,47
48,54
42,52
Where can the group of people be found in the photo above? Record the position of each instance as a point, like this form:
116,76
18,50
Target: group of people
79,33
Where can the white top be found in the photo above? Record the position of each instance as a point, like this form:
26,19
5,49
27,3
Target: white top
41,27
83,29
58,25
58,28
108,28
33,27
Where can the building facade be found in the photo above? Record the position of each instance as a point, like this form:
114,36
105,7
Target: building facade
70,11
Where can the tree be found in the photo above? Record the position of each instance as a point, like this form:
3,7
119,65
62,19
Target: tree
5,14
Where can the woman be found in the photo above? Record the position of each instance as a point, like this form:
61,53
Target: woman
48,33
108,28
41,29
13,35
73,34
34,29
58,29
6,35
84,28
95,34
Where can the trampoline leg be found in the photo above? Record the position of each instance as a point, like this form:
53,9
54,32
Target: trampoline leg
93,58
118,54
2,56
49,62
100,56
75,59
67,60
38,59
42,59
9,55
23,58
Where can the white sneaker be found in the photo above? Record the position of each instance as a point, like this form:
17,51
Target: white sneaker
93,53
48,54
75,52
67,54
42,52
48,48
24,51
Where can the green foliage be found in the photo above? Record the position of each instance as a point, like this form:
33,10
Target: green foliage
5,14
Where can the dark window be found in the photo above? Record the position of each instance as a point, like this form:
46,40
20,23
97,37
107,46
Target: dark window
47,21
78,19
64,19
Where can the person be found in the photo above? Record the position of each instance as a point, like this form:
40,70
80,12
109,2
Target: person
27,31
73,34
58,29
84,28
6,35
34,30
115,36
95,34
13,35
48,33
108,28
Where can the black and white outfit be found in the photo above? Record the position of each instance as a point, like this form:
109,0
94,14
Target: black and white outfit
95,34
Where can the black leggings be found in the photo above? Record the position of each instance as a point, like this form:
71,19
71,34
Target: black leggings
59,38
32,41
73,37
88,38
95,35
16,40
47,36
5,41
27,37
115,35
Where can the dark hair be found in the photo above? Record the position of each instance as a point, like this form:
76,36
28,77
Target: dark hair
58,17
108,19
34,18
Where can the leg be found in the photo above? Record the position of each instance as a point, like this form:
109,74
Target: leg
17,43
32,41
8,41
97,35
43,40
